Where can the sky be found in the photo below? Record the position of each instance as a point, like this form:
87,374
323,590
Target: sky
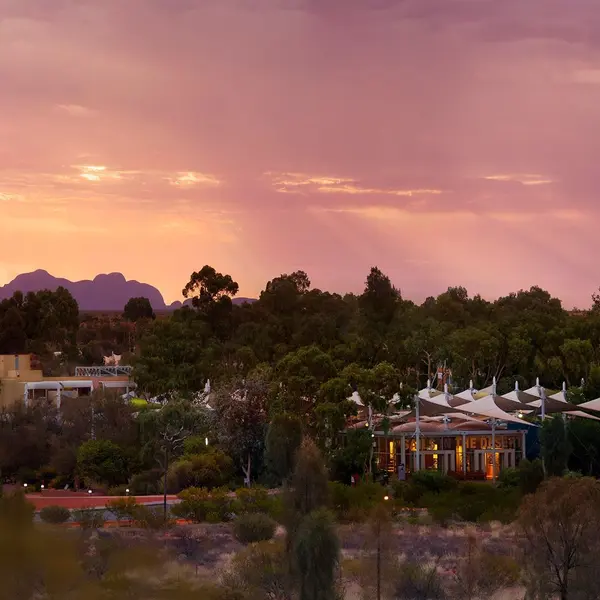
448,142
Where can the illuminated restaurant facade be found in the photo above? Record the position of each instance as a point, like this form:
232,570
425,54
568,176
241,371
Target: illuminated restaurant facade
470,435
463,454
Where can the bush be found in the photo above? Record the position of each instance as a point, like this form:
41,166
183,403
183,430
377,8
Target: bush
415,580
421,483
532,475
473,502
88,518
355,503
253,500
55,515
146,482
198,503
123,508
254,527
102,461
211,469
509,478
153,518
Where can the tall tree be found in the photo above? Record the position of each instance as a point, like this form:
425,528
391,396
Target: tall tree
317,556
137,309
241,419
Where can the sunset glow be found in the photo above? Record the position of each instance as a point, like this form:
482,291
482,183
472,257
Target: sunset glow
447,142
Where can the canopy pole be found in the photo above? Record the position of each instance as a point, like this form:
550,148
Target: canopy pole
417,433
493,450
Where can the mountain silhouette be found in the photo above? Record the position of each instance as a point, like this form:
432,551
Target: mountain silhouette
108,292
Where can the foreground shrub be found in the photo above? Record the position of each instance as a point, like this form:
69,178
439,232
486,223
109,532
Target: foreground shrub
254,527
15,509
123,508
88,518
532,475
482,574
55,515
152,517
260,571
415,580
473,502
210,469
254,499
147,482
200,505
421,483
354,503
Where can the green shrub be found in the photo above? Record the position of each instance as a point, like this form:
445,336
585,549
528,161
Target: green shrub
532,475
473,502
123,508
151,517
146,482
509,478
254,499
198,503
211,469
102,461
355,503
55,515
253,527
88,518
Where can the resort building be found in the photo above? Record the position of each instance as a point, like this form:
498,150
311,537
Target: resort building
21,381
470,435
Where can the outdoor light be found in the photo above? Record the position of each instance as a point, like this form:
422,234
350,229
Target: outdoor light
520,415
386,498
42,487
24,485
89,491
206,441
127,491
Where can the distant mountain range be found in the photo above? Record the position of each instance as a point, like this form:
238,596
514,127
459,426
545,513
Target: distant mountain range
109,292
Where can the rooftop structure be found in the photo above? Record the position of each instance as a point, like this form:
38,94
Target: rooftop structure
472,434
20,381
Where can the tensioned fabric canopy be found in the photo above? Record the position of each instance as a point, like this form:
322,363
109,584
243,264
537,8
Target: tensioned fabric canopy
488,407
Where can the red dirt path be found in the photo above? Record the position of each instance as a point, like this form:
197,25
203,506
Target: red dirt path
78,501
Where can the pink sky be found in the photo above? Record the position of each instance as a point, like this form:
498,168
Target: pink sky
449,142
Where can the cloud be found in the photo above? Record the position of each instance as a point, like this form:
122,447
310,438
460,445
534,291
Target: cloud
524,179
301,183
75,110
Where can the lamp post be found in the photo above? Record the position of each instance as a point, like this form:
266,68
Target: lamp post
385,499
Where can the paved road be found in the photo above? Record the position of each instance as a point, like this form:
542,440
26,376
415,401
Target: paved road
91,501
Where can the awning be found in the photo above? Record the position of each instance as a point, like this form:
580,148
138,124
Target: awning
118,384
487,406
43,385
591,405
77,384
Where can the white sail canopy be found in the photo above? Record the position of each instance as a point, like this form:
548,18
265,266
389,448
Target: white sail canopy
487,407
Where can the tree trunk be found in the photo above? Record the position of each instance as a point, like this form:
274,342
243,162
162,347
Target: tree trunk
247,471
165,485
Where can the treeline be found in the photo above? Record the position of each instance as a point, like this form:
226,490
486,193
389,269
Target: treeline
522,336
